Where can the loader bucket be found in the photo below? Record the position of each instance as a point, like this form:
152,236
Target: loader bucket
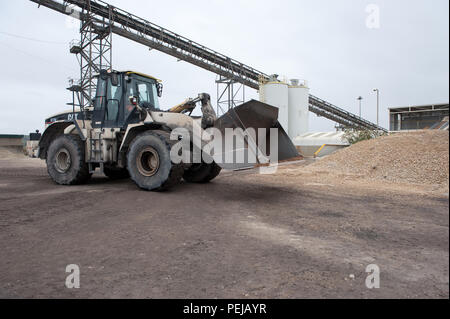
256,115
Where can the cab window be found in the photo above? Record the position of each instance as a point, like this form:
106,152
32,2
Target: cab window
113,102
130,91
147,92
100,94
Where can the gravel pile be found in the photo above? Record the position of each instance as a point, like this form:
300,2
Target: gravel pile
415,157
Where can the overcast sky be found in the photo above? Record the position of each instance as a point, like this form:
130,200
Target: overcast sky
326,42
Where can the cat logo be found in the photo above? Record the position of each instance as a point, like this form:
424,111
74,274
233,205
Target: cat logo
70,116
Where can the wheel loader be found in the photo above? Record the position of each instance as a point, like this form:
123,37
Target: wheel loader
124,133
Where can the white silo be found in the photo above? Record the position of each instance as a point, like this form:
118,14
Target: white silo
275,93
298,108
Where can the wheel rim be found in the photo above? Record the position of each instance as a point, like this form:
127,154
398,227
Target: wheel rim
148,161
63,161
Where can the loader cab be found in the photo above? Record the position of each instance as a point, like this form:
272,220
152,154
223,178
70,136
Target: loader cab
119,93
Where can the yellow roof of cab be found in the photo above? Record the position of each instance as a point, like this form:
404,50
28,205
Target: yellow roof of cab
144,75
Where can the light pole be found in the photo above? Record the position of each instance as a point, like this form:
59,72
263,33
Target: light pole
378,106
360,99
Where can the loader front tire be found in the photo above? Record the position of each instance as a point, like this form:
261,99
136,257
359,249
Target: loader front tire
149,162
66,163
202,173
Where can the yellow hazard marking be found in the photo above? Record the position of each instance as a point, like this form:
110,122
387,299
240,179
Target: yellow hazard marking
319,150
144,75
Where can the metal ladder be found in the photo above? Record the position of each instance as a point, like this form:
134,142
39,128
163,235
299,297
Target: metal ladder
96,152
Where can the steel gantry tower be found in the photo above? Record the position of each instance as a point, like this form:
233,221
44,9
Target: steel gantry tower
94,50
230,71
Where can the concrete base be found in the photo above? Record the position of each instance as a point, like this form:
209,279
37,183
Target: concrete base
310,150
309,144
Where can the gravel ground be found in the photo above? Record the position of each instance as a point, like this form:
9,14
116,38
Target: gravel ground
11,152
294,234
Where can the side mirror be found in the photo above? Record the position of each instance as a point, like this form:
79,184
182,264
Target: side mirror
114,79
159,88
133,100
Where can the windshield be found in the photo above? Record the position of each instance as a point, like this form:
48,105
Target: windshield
147,92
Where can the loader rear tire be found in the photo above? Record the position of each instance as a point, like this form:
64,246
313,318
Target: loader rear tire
66,163
149,162
202,173
116,173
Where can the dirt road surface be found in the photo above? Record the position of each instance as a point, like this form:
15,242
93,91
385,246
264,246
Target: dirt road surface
245,235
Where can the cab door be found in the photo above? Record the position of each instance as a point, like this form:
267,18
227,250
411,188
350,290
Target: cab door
99,103
107,103
114,100
129,113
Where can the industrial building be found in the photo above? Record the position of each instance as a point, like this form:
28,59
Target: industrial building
11,140
418,117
